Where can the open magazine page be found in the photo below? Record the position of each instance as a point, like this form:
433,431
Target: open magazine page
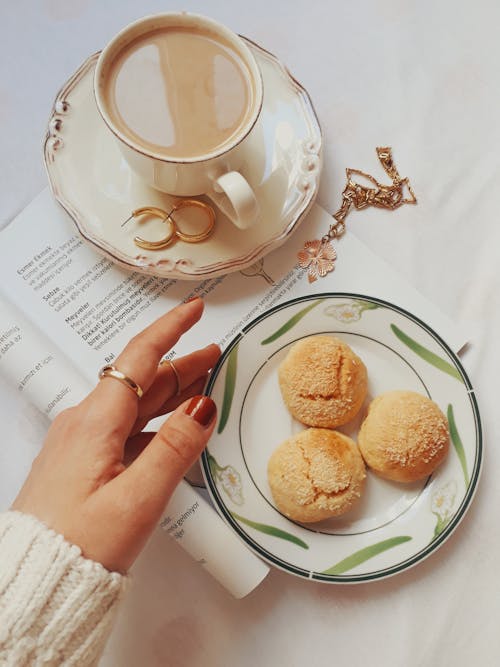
89,308
35,366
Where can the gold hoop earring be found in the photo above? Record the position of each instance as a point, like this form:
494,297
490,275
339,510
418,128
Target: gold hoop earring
173,231
157,213
209,212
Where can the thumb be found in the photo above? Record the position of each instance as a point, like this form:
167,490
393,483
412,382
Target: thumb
171,452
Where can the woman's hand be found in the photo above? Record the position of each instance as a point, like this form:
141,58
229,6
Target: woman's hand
102,482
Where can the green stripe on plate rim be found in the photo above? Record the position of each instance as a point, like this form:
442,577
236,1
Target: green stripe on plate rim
433,544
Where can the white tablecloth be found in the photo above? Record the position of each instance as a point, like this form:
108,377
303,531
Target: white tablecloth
423,77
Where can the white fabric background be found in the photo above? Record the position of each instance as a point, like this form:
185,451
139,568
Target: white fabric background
423,77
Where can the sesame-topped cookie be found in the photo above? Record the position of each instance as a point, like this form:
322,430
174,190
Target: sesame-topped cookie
404,437
316,474
323,382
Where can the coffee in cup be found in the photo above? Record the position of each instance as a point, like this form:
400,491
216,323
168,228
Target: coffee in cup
179,92
182,93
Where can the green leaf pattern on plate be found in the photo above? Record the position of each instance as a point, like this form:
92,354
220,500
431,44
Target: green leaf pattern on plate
350,311
229,479
289,324
426,354
442,503
362,555
440,509
457,443
229,386
271,530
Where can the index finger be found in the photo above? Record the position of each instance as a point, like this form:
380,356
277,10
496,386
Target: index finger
113,400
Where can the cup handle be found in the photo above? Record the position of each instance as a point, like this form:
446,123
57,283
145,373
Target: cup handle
236,199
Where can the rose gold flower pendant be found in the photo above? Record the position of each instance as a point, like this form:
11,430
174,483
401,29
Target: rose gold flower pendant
318,257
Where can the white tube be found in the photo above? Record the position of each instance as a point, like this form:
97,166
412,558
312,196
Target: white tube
38,369
196,526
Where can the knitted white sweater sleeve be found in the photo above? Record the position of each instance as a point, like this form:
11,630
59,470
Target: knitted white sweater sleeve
56,607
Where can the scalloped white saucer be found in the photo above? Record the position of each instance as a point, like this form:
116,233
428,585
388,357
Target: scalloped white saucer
92,181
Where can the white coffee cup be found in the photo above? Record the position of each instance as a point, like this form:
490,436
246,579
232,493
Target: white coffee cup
234,92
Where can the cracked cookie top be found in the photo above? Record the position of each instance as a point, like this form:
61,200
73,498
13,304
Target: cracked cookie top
315,475
323,382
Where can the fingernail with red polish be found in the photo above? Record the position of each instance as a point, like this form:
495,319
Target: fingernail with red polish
193,298
202,409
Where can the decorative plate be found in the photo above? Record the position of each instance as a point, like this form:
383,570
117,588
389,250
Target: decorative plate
395,525
92,181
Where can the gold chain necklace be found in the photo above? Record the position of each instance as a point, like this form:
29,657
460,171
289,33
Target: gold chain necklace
319,256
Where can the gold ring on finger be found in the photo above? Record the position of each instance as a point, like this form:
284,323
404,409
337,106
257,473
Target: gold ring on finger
110,371
176,375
